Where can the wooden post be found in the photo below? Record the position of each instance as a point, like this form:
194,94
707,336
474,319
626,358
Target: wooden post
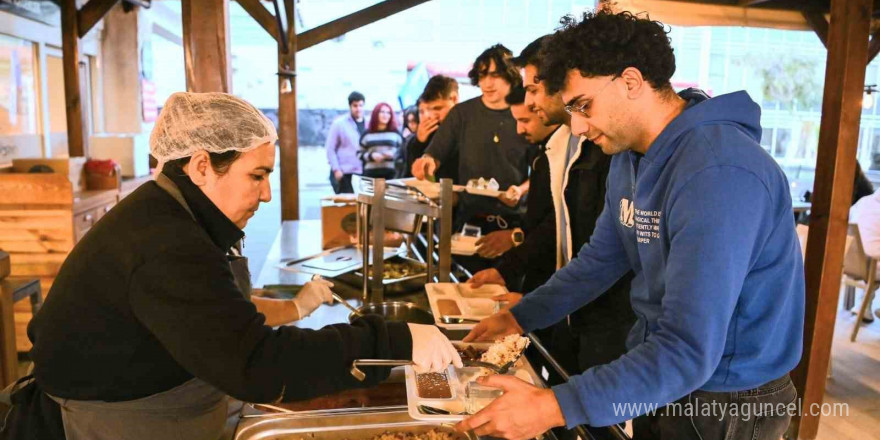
832,196
287,120
205,45
77,144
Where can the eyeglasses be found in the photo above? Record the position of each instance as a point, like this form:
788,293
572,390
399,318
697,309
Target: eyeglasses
585,107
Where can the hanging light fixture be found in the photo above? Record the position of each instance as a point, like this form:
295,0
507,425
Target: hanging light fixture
286,80
286,87
868,98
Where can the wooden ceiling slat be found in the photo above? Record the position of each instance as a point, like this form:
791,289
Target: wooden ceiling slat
817,21
874,46
261,15
353,21
91,13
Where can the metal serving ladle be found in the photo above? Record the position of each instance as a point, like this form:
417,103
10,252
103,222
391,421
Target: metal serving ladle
360,375
340,299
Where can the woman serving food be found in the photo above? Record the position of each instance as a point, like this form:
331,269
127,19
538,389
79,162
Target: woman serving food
148,327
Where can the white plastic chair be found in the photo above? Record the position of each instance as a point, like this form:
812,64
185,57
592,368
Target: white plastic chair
859,271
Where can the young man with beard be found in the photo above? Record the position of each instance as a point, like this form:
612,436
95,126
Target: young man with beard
702,215
596,333
483,134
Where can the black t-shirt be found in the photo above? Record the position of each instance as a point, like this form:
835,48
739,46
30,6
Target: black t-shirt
487,146
362,127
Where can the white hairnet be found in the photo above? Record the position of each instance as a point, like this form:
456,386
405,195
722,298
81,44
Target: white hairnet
214,122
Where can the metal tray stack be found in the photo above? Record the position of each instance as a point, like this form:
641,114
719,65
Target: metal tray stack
381,205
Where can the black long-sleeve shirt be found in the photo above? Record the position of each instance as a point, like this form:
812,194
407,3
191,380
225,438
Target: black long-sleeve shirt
535,259
416,148
146,301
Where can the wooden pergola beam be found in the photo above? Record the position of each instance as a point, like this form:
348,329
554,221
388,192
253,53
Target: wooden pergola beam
832,196
287,121
91,13
262,16
874,46
353,21
818,23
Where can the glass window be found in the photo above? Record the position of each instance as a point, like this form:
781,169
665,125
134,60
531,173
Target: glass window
875,150
19,128
717,63
783,139
767,138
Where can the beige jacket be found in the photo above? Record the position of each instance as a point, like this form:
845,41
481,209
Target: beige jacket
556,147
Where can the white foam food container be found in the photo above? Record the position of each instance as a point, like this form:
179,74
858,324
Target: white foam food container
472,303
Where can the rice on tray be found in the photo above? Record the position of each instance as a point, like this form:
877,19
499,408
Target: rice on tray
505,350
433,434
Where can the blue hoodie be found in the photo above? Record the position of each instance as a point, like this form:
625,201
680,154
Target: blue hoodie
704,220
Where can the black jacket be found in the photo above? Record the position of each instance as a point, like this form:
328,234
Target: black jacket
534,261
146,301
585,197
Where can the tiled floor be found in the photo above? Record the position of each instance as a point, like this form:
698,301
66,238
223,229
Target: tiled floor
855,381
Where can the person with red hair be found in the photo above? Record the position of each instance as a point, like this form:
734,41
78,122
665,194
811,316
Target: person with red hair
380,144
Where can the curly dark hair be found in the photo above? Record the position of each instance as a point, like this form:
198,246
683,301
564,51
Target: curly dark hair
607,43
503,65
531,54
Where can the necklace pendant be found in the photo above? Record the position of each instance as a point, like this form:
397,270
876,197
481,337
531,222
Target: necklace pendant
496,138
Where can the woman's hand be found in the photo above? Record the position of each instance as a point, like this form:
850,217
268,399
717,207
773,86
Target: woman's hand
312,295
431,350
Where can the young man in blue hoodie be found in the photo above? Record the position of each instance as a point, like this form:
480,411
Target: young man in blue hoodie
702,215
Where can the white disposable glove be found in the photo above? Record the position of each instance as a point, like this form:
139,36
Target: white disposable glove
432,351
312,295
